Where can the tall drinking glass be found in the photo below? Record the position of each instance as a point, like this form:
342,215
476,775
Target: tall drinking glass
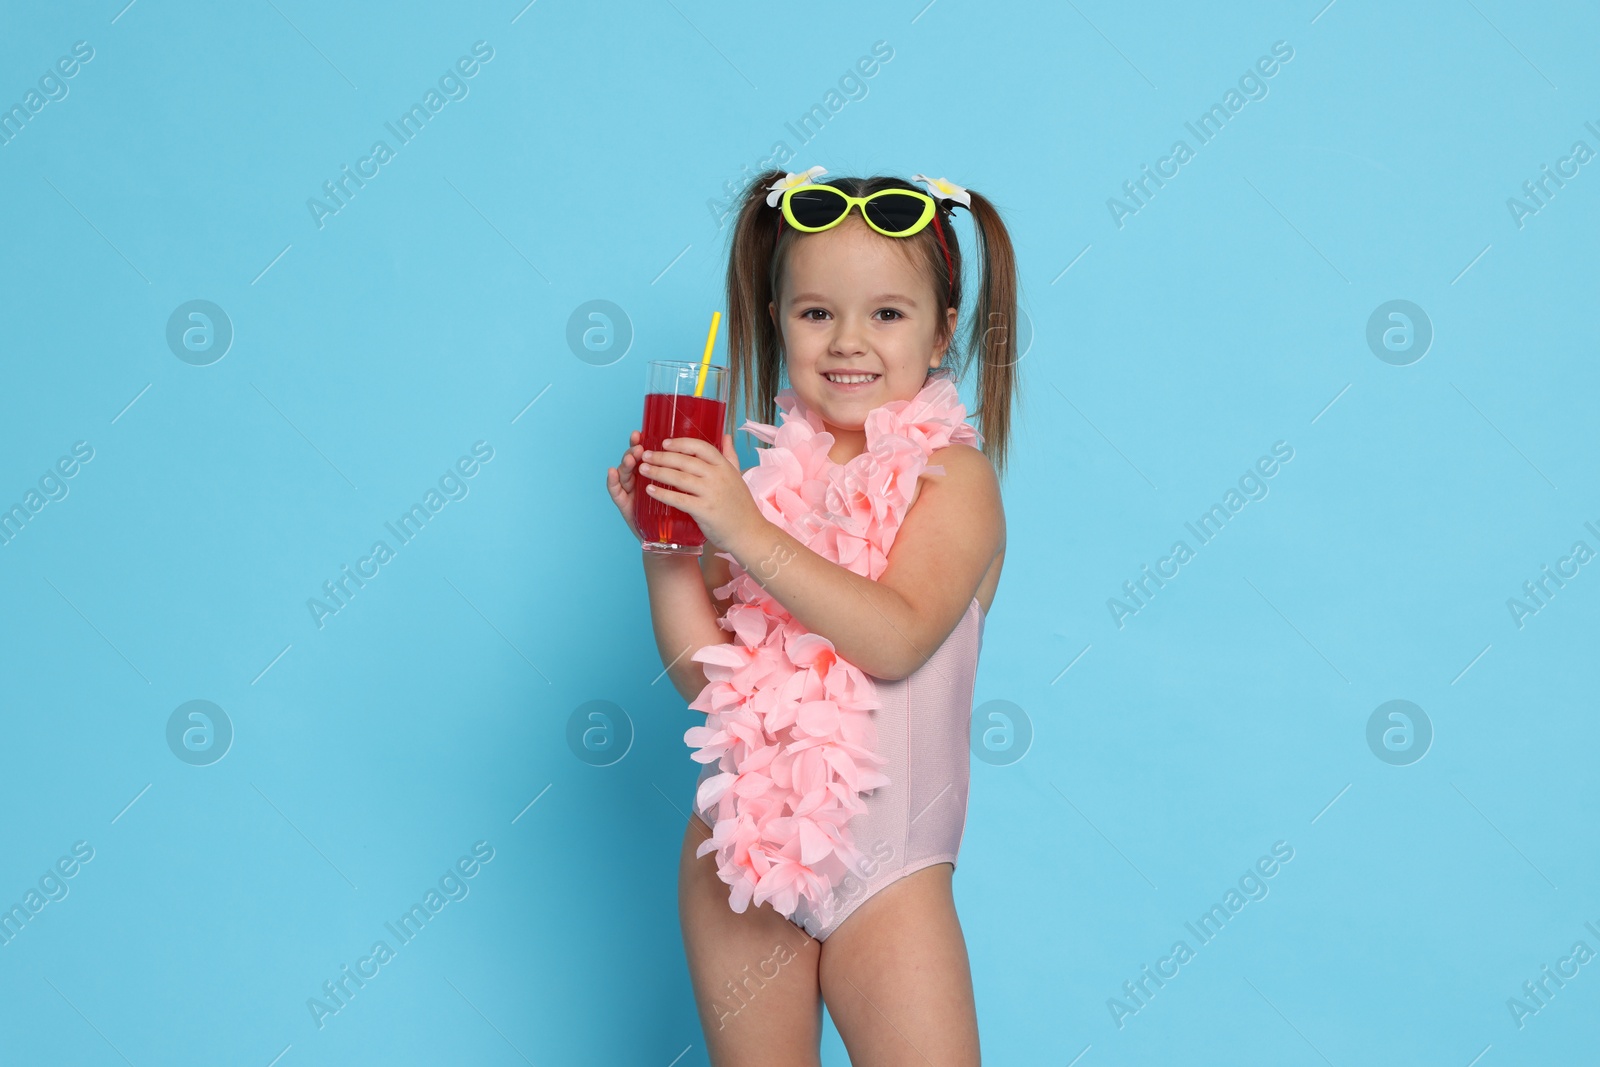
672,409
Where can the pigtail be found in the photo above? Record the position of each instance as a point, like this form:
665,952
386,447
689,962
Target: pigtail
754,359
993,329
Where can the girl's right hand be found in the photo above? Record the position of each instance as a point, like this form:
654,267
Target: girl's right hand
623,482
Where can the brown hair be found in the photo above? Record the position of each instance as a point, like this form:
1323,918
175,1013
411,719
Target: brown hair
755,275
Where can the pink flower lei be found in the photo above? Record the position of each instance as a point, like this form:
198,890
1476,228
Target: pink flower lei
789,721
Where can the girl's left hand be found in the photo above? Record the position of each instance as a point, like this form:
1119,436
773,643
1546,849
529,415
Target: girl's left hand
706,484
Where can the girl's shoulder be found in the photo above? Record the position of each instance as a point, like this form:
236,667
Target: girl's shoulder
969,482
966,462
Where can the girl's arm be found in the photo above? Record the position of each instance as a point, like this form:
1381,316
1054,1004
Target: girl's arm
681,601
683,615
889,627
716,572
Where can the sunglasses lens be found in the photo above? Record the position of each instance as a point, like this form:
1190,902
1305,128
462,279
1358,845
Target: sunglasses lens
817,207
895,212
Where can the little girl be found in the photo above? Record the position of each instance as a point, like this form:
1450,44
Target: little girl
837,676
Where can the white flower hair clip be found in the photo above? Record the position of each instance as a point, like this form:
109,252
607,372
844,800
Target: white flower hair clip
942,190
789,181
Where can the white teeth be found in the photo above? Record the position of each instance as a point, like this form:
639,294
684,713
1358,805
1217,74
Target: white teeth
848,379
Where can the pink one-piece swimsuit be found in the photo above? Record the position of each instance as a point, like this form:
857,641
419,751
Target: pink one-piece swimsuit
919,818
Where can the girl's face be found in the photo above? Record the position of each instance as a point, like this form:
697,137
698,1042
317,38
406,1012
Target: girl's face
852,303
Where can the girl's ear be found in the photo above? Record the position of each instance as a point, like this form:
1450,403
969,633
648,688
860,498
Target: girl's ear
949,330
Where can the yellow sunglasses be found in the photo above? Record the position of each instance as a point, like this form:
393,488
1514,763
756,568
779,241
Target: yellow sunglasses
892,212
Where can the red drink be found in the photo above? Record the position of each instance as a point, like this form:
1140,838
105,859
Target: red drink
676,414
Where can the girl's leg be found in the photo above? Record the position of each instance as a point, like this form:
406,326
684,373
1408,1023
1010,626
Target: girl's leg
754,975
896,978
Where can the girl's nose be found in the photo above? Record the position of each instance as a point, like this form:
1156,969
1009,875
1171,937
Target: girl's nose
848,339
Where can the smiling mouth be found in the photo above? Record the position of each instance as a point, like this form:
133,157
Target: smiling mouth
850,379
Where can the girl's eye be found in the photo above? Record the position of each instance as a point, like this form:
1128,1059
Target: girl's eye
891,311
806,314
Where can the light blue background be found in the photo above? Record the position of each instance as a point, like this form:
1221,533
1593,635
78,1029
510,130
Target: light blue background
1229,313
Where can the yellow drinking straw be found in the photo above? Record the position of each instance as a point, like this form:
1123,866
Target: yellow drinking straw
705,360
